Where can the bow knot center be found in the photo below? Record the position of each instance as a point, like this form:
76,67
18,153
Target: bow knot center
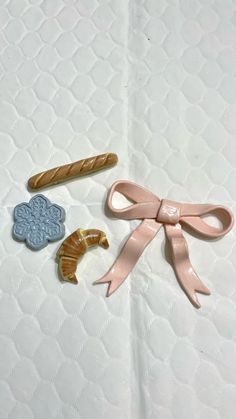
169,212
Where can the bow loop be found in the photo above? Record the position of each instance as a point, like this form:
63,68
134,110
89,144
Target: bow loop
194,214
144,204
154,213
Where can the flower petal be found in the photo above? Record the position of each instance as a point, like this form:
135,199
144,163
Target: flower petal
54,230
22,211
56,213
20,230
38,205
36,239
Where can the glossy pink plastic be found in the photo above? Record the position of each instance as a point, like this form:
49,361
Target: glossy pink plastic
154,214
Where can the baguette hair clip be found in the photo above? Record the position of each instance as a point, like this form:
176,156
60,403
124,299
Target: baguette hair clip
70,171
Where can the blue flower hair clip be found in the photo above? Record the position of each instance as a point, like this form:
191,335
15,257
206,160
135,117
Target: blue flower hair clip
38,222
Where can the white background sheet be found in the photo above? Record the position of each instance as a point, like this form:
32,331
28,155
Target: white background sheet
155,82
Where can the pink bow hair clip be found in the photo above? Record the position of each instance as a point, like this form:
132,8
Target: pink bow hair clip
154,214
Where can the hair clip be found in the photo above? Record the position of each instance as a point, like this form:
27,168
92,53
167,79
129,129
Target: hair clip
154,214
69,171
74,247
38,222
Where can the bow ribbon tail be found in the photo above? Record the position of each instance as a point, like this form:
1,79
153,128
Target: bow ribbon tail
185,273
130,253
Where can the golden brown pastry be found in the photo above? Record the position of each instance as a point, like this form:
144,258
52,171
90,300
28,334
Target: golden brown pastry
74,247
68,171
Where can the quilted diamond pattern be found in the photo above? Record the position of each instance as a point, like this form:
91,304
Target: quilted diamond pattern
153,81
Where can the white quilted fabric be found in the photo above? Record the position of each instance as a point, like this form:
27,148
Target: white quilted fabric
154,81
